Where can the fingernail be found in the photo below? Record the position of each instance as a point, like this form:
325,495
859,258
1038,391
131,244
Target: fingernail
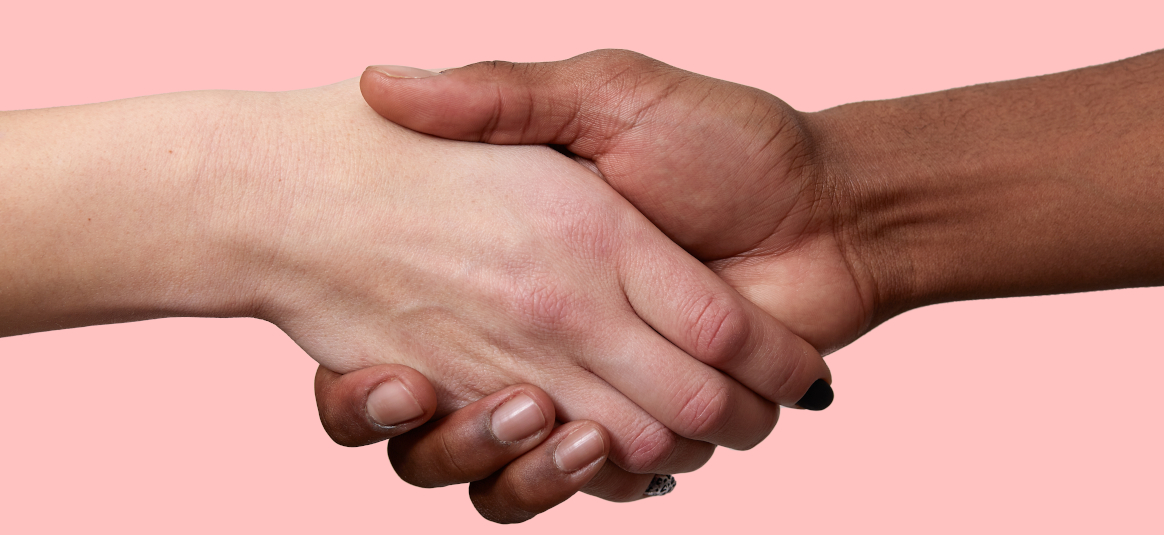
399,71
517,418
579,449
391,403
818,397
662,484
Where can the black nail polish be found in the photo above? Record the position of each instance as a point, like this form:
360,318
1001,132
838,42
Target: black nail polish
818,397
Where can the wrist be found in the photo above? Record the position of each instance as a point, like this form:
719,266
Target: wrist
852,164
917,199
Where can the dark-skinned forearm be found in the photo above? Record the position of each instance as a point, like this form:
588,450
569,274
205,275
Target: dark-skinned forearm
1042,185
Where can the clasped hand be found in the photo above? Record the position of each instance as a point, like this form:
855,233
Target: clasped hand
723,170
537,322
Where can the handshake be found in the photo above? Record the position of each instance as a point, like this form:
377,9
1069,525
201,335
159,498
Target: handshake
537,322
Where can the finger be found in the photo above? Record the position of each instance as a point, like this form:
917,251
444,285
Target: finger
544,477
702,315
614,484
372,404
476,440
582,102
640,443
685,395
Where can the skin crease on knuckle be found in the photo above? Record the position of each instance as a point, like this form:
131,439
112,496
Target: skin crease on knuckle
719,329
704,412
652,447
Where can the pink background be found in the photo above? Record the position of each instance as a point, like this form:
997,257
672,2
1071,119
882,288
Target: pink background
997,416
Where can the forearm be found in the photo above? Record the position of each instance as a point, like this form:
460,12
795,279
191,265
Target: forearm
116,212
1043,185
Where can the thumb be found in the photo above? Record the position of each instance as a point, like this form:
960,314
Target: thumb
583,102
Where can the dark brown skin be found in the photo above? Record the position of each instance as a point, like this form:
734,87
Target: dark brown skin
835,221
509,482
1043,185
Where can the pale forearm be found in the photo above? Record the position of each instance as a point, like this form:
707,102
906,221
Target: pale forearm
112,213
1042,185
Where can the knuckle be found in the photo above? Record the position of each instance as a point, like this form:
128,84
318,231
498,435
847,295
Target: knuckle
650,449
427,463
617,57
765,431
704,412
449,460
494,67
546,307
718,330
502,499
585,230
537,297
498,120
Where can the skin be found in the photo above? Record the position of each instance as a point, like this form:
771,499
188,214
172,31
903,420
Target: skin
839,220
480,267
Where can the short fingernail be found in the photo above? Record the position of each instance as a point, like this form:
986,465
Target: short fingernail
818,397
400,71
662,484
391,403
517,418
579,449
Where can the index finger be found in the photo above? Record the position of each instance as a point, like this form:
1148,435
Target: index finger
372,404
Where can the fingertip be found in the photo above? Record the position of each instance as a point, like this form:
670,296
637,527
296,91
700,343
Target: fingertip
660,485
417,384
818,397
541,479
372,87
391,403
476,440
372,404
524,412
540,397
401,72
587,444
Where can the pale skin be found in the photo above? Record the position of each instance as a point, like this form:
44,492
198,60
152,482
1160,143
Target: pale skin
480,267
833,221
894,163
